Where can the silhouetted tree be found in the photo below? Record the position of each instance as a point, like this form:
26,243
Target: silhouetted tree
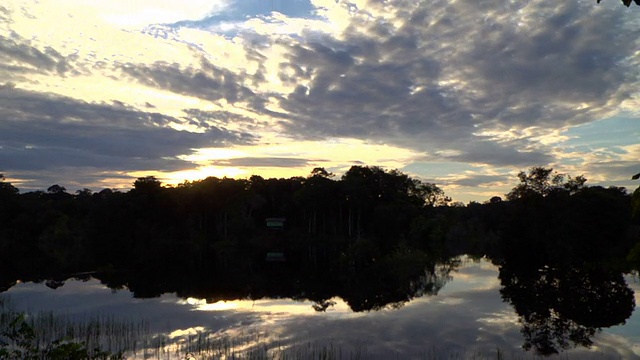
56,189
541,181
84,193
495,200
429,193
320,171
634,254
635,202
320,201
11,236
6,189
147,184
626,3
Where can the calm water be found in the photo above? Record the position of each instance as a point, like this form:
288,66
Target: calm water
466,319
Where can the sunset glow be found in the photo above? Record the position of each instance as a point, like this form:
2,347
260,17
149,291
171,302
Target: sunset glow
182,91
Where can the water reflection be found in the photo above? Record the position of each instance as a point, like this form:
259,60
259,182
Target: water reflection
287,306
564,306
479,307
364,282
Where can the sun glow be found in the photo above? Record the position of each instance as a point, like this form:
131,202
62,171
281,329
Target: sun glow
202,173
207,154
274,306
265,159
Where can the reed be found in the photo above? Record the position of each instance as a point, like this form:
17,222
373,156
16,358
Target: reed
97,333
133,339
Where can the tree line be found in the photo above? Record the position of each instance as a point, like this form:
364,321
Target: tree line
373,237
206,220
367,214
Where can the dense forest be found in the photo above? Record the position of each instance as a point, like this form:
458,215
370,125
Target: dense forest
374,238
368,213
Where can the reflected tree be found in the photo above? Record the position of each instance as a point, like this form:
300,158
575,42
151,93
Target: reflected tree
393,280
557,238
54,284
634,254
560,308
322,305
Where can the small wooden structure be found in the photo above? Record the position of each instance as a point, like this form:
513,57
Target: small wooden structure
274,241
275,223
275,257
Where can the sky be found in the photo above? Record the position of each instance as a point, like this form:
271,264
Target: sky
461,93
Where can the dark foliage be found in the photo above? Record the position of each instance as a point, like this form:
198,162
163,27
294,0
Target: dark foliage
626,3
375,238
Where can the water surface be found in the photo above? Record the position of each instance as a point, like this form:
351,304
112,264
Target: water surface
465,318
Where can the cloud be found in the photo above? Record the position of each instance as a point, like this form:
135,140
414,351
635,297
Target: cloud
237,12
18,57
439,75
202,118
265,162
208,82
488,83
498,155
479,180
619,172
139,13
45,132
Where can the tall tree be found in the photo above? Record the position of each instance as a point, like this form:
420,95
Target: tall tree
147,184
540,182
636,197
6,188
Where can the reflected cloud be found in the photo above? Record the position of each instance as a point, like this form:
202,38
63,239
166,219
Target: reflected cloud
271,306
186,332
467,317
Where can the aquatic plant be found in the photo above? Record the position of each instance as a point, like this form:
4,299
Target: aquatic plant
52,337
